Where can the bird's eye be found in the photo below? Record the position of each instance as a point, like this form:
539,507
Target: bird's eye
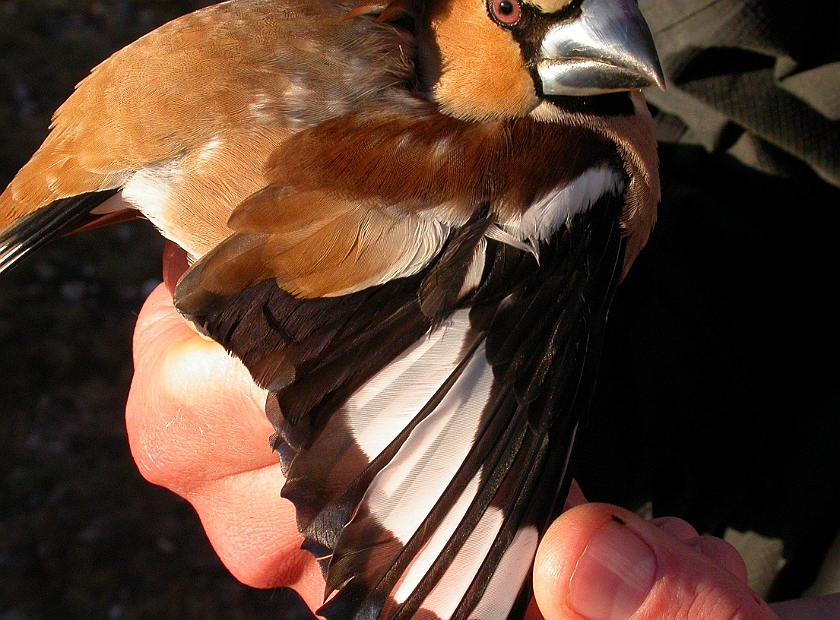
506,12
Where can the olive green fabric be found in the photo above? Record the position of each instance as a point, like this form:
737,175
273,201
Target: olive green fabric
757,78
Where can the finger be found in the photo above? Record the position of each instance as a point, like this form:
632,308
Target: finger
600,562
676,527
193,413
196,426
721,552
253,531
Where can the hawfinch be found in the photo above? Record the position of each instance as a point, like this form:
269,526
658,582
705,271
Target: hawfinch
408,220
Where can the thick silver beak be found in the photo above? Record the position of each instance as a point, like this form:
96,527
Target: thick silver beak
608,48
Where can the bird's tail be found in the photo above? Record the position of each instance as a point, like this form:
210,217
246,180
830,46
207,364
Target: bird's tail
34,230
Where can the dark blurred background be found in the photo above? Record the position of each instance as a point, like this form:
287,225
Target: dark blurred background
719,398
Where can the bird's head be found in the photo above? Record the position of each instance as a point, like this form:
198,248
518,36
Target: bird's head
494,59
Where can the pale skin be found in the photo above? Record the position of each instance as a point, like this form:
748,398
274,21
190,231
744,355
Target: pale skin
196,426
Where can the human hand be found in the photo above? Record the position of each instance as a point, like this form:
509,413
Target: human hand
601,562
196,425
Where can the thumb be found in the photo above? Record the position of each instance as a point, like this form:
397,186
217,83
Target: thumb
601,562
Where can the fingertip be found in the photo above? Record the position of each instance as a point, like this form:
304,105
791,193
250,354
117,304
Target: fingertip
560,551
722,553
599,562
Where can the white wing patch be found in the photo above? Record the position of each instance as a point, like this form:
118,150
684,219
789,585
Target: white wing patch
433,548
506,583
380,409
543,218
447,594
402,494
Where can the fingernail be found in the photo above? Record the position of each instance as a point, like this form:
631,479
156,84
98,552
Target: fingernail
613,576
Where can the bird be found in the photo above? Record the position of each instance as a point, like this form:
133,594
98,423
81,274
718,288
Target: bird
408,219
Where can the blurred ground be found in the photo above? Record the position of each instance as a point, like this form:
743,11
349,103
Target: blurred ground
82,535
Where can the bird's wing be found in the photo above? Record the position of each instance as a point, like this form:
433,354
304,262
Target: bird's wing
369,197
424,453
423,419
322,244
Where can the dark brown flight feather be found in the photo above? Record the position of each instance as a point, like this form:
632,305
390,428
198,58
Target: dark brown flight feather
345,339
